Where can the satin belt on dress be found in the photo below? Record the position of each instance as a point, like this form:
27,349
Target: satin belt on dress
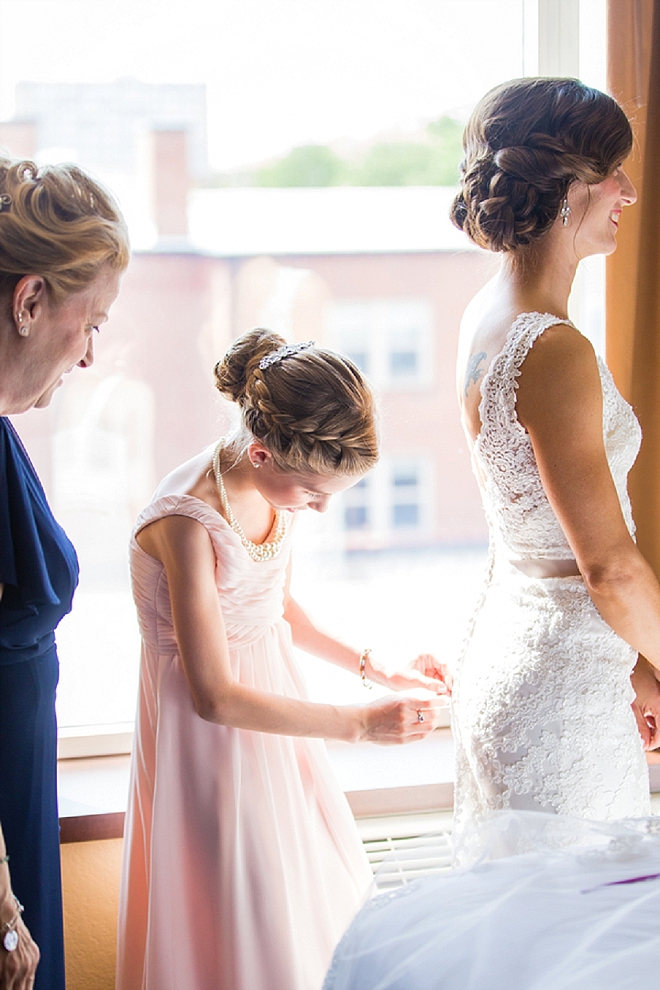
537,567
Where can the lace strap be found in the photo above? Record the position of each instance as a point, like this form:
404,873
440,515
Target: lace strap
497,408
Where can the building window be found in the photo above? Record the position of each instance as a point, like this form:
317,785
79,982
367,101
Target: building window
390,340
404,354
390,507
356,506
405,485
406,515
357,348
356,516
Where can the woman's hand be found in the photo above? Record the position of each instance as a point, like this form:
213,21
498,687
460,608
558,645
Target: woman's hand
422,672
646,706
392,721
17,968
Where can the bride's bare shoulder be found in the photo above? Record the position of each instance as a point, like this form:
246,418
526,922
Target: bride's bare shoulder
484,328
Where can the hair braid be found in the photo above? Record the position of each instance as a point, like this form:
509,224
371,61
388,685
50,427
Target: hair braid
525,143
312,410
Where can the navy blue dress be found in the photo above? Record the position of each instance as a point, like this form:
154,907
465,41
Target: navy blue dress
39,570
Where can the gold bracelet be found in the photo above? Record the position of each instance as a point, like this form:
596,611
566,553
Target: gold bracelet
363,664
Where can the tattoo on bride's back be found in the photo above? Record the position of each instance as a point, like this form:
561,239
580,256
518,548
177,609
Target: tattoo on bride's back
473,371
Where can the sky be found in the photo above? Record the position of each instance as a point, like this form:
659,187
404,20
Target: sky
279,73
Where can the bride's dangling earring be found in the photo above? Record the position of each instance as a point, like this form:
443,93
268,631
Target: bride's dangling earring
565,212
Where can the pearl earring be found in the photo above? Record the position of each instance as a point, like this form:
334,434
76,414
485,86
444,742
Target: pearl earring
24,331
565,212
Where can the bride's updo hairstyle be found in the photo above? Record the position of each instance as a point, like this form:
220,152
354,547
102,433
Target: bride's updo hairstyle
525,143
310,407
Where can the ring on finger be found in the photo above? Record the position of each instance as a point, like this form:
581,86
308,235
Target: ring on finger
420,715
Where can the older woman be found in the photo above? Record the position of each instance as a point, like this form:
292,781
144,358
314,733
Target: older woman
63,248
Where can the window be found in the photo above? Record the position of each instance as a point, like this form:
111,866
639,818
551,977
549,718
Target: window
404,352
357,347
376,272
390,339
406,509
390,508
356,506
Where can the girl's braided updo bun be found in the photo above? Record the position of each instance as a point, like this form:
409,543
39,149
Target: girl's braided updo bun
525,143
312,409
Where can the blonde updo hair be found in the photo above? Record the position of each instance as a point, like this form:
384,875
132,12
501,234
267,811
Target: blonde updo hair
59,223
312,410
525,143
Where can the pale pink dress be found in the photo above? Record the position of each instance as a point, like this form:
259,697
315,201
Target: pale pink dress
242,863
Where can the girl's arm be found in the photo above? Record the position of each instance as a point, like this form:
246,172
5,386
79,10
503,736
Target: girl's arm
308,637
184,548
560,404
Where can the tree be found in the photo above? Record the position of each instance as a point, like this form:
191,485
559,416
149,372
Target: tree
448,135
397,164
431,161
408,163
310,165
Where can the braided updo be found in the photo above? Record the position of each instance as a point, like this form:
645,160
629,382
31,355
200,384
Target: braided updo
312,410
525,143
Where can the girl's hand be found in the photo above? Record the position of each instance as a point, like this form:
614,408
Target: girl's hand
392,721
423,672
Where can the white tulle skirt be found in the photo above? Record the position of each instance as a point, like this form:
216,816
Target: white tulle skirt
553,903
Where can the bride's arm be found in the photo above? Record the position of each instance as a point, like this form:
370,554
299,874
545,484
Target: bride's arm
184,548
560,404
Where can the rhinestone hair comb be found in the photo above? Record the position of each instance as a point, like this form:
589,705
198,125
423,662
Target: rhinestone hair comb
285,351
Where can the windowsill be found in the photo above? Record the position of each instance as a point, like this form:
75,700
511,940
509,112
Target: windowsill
81,741
76,742
377,780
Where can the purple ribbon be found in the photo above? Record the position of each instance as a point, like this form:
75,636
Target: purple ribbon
618,883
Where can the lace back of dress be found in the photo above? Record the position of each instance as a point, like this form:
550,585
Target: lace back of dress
503,450
520,517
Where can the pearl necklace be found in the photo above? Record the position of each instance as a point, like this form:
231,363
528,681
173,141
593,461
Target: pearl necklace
257,551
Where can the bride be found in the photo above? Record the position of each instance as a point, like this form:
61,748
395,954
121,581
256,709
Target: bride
543,717
549,731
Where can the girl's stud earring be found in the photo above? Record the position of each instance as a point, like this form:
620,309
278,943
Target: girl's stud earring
24,331
565,212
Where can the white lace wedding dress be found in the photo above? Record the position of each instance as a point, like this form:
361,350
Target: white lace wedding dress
542,716
544,899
